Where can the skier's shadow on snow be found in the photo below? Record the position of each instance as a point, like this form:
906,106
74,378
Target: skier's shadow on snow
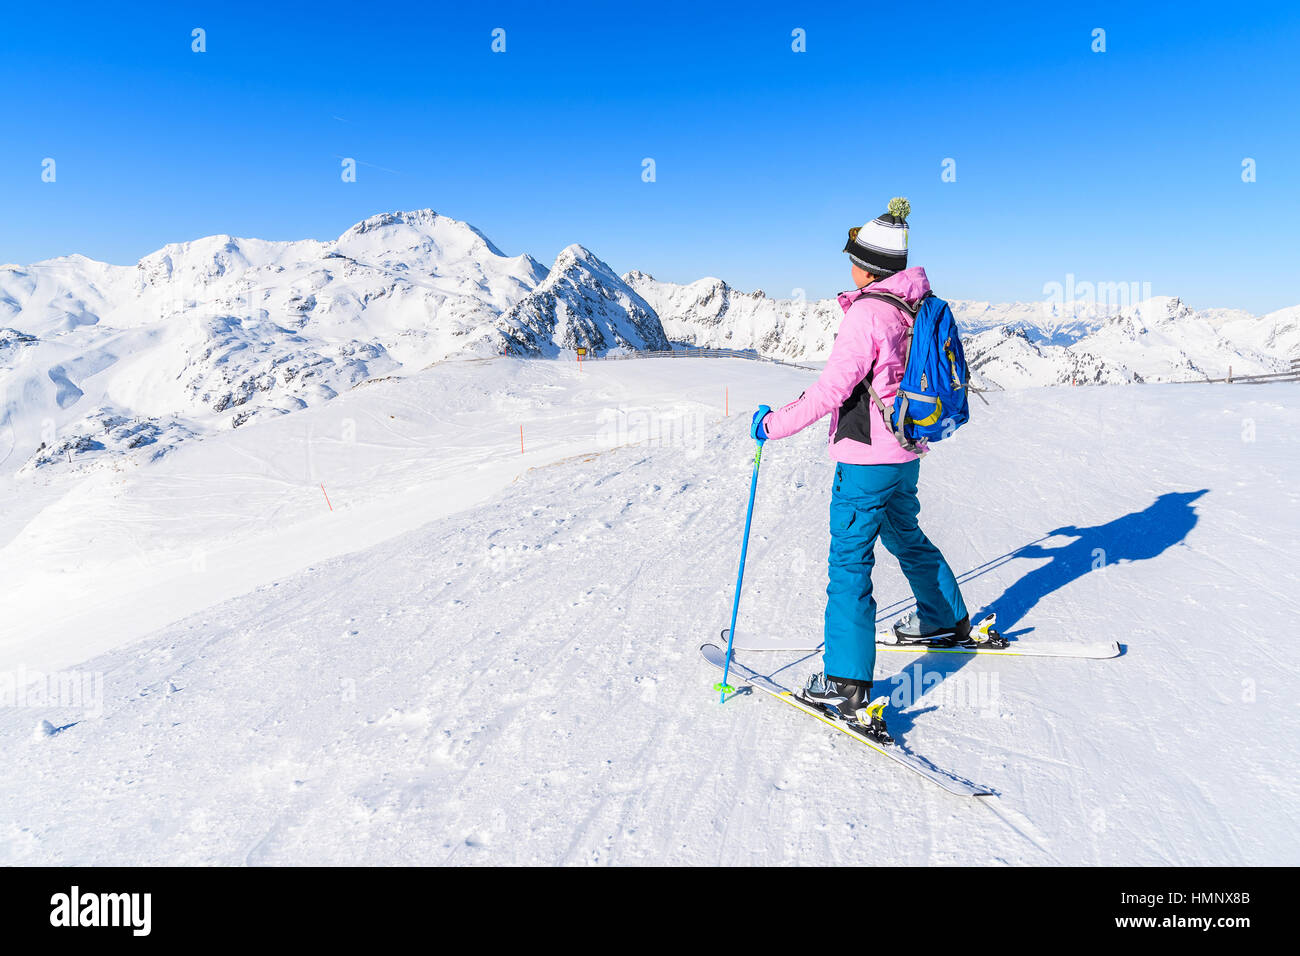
1137,536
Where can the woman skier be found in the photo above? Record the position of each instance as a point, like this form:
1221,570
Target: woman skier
874,495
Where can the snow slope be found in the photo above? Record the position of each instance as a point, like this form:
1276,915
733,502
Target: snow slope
96,557
508,673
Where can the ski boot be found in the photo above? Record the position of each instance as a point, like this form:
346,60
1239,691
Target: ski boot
849,700
907,630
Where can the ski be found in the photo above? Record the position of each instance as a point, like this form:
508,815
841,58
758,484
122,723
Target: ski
987,642
1096,651
896,752
1099,650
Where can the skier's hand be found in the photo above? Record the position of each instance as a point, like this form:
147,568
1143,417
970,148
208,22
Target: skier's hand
756,430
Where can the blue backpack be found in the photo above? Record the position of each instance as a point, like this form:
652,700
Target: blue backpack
931,401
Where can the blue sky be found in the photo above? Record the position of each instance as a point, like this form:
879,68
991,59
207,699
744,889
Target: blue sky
1123,166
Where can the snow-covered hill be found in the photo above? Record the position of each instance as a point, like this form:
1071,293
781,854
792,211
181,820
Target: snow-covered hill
1012,345
479,656
101,362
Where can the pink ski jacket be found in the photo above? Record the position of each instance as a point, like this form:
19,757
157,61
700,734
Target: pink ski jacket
873,337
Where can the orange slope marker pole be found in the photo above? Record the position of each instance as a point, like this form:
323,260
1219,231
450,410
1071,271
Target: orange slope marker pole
326,494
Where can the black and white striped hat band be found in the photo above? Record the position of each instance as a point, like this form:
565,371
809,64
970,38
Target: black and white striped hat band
870,257
880,246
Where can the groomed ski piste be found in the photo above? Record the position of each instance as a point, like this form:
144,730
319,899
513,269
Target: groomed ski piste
473,655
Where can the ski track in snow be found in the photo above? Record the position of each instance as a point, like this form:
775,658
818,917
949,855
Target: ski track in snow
518,681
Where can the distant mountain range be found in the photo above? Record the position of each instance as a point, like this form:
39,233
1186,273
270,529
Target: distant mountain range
1007,346
103,363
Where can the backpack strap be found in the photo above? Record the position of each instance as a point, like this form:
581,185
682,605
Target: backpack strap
896,301
902,306
907,443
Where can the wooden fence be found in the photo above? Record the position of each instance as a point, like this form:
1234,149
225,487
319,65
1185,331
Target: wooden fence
1291,374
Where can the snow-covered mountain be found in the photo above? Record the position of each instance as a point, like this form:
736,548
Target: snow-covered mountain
1009,345
583,303
708,313
99,361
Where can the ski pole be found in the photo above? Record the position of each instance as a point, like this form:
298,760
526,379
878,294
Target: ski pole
723,687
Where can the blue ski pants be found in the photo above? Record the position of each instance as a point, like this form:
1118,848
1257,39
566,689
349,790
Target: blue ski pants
869,502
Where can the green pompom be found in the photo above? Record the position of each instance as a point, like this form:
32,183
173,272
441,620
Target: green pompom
900,208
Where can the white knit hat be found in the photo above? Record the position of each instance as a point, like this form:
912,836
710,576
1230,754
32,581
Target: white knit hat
880,247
